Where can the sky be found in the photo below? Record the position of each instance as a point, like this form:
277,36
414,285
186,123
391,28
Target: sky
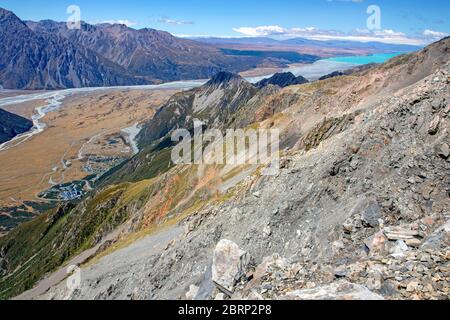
390,21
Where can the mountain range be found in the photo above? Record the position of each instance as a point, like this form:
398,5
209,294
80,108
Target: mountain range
361,193
48,55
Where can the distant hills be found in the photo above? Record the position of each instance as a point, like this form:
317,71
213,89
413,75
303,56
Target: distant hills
302,42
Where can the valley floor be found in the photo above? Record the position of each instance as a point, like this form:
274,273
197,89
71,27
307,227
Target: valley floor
84,137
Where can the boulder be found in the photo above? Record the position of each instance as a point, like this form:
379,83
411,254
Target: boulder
229,265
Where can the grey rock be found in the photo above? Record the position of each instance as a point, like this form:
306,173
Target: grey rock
371,215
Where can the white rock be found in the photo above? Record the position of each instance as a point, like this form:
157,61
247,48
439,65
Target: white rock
399,250
229,265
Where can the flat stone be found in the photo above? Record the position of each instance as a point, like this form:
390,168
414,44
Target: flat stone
413,242
400,233
439,238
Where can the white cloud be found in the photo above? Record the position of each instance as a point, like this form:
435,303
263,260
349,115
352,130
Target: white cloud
270,31
261,31
434,34
361,35
167,20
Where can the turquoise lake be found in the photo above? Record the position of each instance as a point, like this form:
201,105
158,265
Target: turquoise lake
374,58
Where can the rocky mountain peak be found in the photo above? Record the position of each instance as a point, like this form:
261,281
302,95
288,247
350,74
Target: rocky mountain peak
282,79
224,78
9,21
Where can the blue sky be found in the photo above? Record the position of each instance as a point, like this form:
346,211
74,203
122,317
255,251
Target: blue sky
402,21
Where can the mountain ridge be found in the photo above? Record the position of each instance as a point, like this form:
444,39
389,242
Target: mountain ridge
44,61
12,125
283,79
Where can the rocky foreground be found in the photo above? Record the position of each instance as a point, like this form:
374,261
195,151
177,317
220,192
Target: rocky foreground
359,210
